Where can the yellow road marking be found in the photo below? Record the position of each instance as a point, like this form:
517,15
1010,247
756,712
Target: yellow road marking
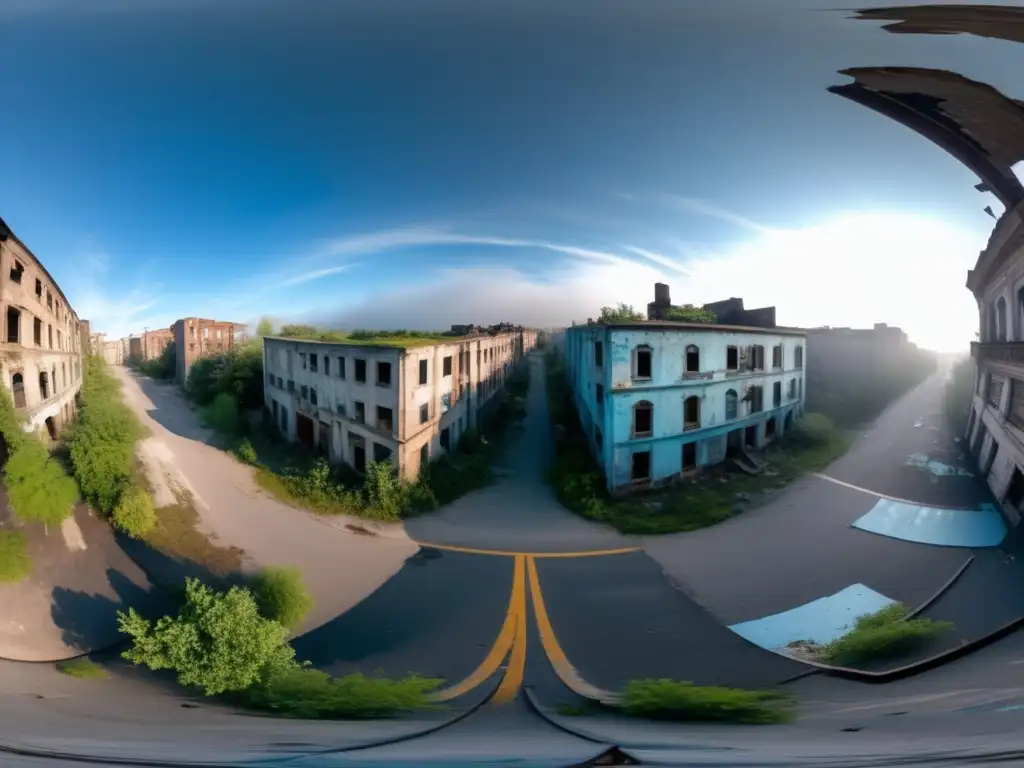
868,491
559,661
500,649
510,553
516,669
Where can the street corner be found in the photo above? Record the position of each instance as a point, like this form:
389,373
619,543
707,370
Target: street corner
619,619
438,616
80,578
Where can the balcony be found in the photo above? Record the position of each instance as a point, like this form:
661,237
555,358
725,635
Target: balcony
1011,352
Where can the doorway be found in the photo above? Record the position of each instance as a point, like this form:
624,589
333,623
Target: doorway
750,436
51,428
689,456
787,422
769,428
304,430
734,442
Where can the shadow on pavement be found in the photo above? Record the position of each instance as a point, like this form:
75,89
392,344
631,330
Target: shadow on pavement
171,410
170,571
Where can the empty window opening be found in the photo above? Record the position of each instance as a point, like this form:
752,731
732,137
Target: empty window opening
1015,493
360,412
305,392
360,370
756,397
424,456
732,358
599,394
383,374
424,413
446,368
598,353
777,356
792,389
692,359
643,419
385,419
51,427
39,288
327,366
691,412
314,363
423,372
341,367
641,466
642,362
381,453
17,270
49,300
777,394
445,438
731,405
689,456
757,357
44,385
1001,319
312,396
598,438
13,326
798,356
303,358
49,336
18,389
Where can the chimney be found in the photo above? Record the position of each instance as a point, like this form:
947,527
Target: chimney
661,295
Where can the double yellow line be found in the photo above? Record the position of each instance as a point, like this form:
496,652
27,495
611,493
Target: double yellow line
512,641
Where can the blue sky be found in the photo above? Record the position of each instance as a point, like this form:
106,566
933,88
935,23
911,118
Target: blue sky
392,163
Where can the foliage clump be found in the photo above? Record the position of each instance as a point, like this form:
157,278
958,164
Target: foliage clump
884,634
687,313
685,702
620,313
282,596
15,562
135,513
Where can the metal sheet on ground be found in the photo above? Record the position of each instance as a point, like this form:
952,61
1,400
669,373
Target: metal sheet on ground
438,616
795,549
981,527
619,619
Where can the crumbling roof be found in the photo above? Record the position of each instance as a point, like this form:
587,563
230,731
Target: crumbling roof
999,22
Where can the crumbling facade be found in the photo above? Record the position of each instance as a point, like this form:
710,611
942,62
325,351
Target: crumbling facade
196,338
41,352
659,400
359,403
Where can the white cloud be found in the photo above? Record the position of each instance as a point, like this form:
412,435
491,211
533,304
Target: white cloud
693,205
316,274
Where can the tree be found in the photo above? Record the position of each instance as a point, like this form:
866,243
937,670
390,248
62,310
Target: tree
218,642
621,313
134,513
38,488
687,313
282,596
264,327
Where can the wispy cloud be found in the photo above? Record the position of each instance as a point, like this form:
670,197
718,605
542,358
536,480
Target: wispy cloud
658,258
316,274
704,208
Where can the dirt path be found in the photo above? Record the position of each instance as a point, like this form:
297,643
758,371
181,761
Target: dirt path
341,568
520,511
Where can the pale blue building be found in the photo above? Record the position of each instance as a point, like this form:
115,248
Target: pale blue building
658,400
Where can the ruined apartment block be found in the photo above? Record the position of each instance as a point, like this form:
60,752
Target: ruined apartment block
359,403
196,338
41,357
150,345
659,400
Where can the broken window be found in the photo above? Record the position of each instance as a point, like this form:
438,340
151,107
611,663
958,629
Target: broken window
302,359
445,438
327,366
18,389
314,364
360,370
731,404
1015,493
49,335
692,359
792,388
643,419
44,385
385,419
689,456
642,358
17,270
600,395
383,374
640,468
291,385
206,333
691,413
381,453
424,413
13,325
757,357
39,288
446,369
798,357
598,354
304,392
341,367
423,371
777,394
769,428
756,398
424,456
49,300
312,395
598,438
1001,319
732,358
360,412
777,356
995,392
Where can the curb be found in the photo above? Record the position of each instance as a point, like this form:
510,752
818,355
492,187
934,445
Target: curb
85,654
535,706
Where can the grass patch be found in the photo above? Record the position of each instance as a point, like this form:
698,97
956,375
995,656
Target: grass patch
712,497
310,694
15,562
282,596
176,533
83,668
570,710
878,636
686,702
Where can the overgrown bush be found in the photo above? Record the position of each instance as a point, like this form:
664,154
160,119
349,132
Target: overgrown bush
82,668
246,452
282,596
310,694
218,642
238,373
38,488
163,367
222,414
135,513
684,701
15,562
884,634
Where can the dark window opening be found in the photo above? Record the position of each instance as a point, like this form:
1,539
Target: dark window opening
689,456
314,363
692,359
641,466
423,371
49,335
341,367
312,395
732,358
643,363
799,357
17,271
792,389
691,412
303,358
327,366
777,356
385,419
360,412
777,394
44,385
424,413
598,353
600,396
18,388
598,438
39,288
445,438
291,385
731,405
49,300
769,427
446,369
756,397
757,357
13,325
381,453
360,370
305,392
424,456
643,419
383,374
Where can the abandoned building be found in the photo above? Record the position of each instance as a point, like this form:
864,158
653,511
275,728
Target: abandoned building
41,363
658,400
149,345
113,352
358,403
195,338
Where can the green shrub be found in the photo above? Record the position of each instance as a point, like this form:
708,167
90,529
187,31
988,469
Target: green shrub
246,452
82,668
813,430
38,488
282,596
222,414
134,513
300,692
884,634
15,562
684,701
218,642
